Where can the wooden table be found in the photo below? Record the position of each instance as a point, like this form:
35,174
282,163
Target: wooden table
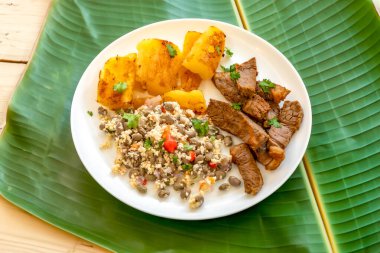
21,22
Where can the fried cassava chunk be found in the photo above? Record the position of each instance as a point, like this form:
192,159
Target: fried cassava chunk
205,54
116,82
158,63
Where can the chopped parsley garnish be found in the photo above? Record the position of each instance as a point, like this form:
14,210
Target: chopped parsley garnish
212,138
274,122
120,87
234,75
217,48
160,143
132,119
175,159
171,50
236,106
147,143
90,113
200,126
188,147
229,52
187,166
266,84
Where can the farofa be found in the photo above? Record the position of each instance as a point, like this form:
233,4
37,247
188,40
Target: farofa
168,146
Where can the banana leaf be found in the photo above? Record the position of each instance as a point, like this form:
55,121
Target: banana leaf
41,172
335,46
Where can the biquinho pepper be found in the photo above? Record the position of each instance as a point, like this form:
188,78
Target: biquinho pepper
170,144
212,165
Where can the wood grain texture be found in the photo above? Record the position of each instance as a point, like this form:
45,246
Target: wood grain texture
20,21
22,232
10,74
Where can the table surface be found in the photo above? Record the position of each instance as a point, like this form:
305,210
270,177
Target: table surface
21,22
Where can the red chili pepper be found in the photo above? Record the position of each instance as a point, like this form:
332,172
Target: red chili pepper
144,181
192,155
212,165
163,109
170,144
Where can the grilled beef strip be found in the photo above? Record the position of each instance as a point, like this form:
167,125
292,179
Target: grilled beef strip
246,84
270,155
237,123
276,94
290,116
227,87
257,108
243,158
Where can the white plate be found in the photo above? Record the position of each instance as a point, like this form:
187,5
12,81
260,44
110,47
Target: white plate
271,64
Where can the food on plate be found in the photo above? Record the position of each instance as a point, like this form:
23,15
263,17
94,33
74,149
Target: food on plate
116,82
224,116
271,91
158,62
168,146
204,56
164,131
193,100
160,67
243,158
246,83
189,80
257,103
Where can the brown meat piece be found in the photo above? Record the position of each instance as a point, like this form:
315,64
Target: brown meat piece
257,108
291,114
243,158
246,83
227,87
270,155
276,94
237,123
281,135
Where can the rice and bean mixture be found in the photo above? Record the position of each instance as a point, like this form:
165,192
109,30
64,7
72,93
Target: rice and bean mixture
170,147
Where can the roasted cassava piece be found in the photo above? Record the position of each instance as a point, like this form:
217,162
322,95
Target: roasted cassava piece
158,68
243,158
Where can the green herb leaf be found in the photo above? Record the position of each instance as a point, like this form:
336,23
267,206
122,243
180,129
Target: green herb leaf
217,48
120,87
147,143
224,69
236,106
188,147
234,75
200,126
187,166
132,119
90,113
266,84
274,122
171,50
175,159
212,138
160,143
229,52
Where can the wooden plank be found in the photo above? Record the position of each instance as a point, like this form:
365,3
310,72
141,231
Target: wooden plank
22,232
10,74
21,21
